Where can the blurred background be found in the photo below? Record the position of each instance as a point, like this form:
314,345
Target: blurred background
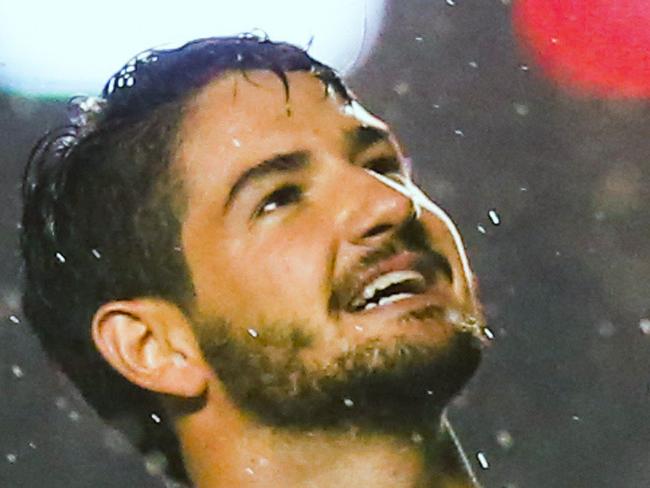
517,124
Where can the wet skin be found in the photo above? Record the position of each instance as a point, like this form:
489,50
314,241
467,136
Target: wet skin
288,215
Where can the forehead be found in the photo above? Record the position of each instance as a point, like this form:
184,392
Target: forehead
240,119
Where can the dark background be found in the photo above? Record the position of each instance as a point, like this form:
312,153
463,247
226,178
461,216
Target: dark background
562,398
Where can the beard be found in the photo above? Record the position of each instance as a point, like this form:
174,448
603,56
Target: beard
375,385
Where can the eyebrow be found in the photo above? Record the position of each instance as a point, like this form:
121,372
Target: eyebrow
281,163
361,138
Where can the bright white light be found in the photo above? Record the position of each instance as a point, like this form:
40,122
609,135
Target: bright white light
73,46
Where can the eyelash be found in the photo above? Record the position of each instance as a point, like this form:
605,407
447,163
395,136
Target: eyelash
288,194
285,195
385,166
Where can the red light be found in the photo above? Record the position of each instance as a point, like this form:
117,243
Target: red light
590,47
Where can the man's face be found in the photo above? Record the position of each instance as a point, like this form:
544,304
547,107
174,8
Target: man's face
319,287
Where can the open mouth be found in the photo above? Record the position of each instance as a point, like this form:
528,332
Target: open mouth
397,278
388,288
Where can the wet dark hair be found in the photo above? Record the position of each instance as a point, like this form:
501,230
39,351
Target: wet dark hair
101,217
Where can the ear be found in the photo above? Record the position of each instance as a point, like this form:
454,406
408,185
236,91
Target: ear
151,343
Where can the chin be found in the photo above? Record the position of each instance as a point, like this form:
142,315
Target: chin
381,382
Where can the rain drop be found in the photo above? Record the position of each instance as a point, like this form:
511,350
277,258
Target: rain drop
17,371
504,439
60,257
419,38
451,3
473,64
402,88
348,402
488,333
74,416
155,418
644,325
155,463
521,109
14,319
482,460
459,132
249,471
61,403
494,217
96,253
416,438
253,333
11,458
480,228
236,143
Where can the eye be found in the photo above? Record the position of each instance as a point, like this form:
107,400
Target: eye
387,166
281,197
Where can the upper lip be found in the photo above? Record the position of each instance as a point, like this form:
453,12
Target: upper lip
424,276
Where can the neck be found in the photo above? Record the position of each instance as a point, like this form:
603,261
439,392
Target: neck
223,447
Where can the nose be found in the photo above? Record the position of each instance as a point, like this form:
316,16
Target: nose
370,210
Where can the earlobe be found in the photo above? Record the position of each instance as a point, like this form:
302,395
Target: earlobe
151,344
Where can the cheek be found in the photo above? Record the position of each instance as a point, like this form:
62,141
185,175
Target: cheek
279,273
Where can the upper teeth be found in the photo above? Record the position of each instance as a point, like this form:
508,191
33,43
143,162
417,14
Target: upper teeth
384,281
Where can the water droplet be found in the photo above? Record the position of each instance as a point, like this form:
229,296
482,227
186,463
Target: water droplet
459,132
14,319
155,463
96,253
17,371
554,40
504,439
155,418
32,445
576,418
521,109
524,67
249,471
482,460
60,257
416,438
480,228
523,188
252,333
11,458
436,105
358,328
74,416
402,88
606,328
494,217
488,333
473,64
430,392
348,402
236,143
61,403
644,325
451,3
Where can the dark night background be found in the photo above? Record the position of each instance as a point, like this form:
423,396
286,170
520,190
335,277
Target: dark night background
562,398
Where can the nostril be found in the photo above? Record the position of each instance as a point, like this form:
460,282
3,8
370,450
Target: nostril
377,230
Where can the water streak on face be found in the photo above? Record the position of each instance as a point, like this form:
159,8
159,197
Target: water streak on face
309,232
